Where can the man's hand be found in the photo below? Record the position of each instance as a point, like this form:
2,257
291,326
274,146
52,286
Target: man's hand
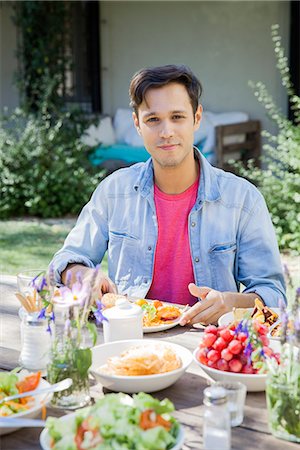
214,304
103,284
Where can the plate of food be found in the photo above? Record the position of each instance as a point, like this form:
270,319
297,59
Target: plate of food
160,316
139,365
260,312
116,421
12,383
157,315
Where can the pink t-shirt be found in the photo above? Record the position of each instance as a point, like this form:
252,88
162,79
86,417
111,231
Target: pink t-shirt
173,269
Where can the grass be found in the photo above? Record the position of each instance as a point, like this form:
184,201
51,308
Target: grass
30,244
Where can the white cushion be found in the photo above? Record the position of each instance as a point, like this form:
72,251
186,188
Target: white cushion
123,121
103,133
220,119
133,138
206,128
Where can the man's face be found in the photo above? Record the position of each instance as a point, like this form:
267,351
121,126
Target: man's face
166,123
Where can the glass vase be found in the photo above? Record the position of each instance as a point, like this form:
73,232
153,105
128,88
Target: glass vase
70,357
283,403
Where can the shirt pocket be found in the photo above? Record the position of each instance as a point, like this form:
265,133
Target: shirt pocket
222,260
122,252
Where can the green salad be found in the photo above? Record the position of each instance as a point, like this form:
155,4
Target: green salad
117,422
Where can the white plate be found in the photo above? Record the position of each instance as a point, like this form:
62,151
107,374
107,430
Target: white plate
164,326
228,318
45,438
34,411
253,382
131,384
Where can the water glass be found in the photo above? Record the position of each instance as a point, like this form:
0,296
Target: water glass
236,395
24,280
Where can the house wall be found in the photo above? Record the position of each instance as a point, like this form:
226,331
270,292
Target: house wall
225,43
8,63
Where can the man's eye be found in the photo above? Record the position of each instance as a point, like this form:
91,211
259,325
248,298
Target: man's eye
178,116
152,119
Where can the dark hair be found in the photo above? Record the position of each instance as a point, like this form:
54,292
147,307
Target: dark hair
155,77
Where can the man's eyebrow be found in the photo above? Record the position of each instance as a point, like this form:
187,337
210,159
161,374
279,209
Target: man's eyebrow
153,113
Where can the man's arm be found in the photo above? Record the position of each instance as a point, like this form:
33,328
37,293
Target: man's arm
214,304
86,243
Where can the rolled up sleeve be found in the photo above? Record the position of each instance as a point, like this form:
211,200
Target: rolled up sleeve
87,242
259,264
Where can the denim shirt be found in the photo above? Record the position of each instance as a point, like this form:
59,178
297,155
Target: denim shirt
231,235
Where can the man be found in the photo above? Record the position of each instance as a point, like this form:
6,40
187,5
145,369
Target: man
175,228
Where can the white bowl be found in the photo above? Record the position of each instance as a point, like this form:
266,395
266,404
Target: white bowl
46,442
132,384
38,402
253,382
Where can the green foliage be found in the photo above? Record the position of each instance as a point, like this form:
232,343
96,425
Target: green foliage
41,49
44,167
280,181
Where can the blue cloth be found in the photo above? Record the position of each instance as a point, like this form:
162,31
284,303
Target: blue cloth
232,238
119,151
128,154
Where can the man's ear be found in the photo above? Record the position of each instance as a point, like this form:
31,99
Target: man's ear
198,117
136,122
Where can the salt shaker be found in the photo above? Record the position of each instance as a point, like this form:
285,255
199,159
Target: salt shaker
35,342
216,419
124,321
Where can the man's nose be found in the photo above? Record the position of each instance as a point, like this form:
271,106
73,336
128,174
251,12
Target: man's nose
166,130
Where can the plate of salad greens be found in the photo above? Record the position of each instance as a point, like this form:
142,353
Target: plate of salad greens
116,421
12,383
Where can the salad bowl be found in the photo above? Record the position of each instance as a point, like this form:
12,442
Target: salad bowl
36,405
132,384
114,419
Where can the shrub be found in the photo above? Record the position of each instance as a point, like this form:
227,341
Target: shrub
280,181
44,167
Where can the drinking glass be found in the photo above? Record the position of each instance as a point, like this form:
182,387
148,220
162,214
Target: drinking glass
24,280
236,394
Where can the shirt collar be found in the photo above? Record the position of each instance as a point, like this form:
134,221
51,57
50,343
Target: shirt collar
208,187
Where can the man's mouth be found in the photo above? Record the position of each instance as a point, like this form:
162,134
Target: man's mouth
168,146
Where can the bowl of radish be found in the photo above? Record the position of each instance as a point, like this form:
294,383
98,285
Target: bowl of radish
239,352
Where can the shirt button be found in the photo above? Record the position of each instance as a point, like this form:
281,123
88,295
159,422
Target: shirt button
196,259
149,248
193,224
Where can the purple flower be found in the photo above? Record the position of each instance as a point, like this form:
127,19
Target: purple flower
51,275
68,278
248,351
75,295
98,313
42,314
67,325
42,285
281,305
52,316
49,329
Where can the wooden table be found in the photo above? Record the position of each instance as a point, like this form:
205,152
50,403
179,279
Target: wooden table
186,394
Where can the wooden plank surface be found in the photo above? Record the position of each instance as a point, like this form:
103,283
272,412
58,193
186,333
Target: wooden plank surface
186,394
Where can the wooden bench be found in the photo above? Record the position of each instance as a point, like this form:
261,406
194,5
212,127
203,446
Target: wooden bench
238,142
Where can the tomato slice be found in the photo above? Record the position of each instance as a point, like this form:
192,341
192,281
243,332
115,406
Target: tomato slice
149,420
29,383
